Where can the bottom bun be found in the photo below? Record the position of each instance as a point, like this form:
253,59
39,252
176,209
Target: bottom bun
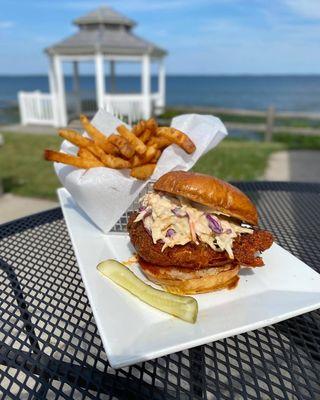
176,281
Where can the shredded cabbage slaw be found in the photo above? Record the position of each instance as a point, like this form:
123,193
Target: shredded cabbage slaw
177,221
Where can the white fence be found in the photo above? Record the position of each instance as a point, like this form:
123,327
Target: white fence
129,105
41,108
37,108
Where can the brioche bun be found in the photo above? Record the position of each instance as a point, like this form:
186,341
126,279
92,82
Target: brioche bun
188,281
211,192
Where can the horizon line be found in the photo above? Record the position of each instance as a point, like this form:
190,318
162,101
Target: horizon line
279,74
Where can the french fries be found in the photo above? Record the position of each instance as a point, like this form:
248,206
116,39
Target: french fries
95,134
68,159
152,125
98,137
75,138
139,128
143,172
136,143
115,162
150,154
178,137
138,149
109,148
122,144
159,142
145,135
91,130
156,157
142,126
86,154
80,141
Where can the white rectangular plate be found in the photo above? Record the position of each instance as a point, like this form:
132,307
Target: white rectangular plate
132,331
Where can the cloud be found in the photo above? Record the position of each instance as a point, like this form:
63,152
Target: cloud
6,24
304,8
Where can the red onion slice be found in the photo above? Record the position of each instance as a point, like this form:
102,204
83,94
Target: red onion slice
214,224
178,212
148,211
170,232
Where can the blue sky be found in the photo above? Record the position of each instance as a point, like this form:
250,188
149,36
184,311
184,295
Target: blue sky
202,36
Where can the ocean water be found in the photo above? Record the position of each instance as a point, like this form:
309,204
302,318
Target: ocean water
290,93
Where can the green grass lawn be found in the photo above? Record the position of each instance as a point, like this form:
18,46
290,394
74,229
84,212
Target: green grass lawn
24,172
298,142
237,160
171,112
245,119
22,168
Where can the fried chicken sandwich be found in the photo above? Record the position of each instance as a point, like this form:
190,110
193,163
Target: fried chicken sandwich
193,232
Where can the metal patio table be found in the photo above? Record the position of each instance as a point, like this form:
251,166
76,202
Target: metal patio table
50,347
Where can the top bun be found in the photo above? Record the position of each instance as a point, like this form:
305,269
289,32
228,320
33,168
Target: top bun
209,191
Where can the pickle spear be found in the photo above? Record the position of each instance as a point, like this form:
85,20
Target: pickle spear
183,307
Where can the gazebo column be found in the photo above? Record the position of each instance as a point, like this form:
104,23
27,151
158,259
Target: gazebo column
162,84
146,86
112,76
51,77
53,92
100,84
76,86
60,97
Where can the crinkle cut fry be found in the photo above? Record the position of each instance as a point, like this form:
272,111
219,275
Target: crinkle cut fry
56,156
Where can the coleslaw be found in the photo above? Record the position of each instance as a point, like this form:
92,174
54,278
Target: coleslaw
174,220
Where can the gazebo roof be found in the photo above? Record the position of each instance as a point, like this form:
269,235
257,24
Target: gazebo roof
105,30
104,15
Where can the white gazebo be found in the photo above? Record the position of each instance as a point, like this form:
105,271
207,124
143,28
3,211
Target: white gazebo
104,35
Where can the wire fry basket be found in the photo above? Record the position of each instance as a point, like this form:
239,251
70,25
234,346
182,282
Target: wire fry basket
120,227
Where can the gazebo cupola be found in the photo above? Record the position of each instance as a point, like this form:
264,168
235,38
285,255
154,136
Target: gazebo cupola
105,35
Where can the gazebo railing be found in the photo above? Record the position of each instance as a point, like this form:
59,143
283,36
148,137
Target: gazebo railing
157,103
129,105
125,105
37,108
41,108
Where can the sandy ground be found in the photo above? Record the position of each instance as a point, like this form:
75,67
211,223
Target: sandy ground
36,129
13,207
294,166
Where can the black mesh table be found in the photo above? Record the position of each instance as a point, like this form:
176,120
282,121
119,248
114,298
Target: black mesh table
50,347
